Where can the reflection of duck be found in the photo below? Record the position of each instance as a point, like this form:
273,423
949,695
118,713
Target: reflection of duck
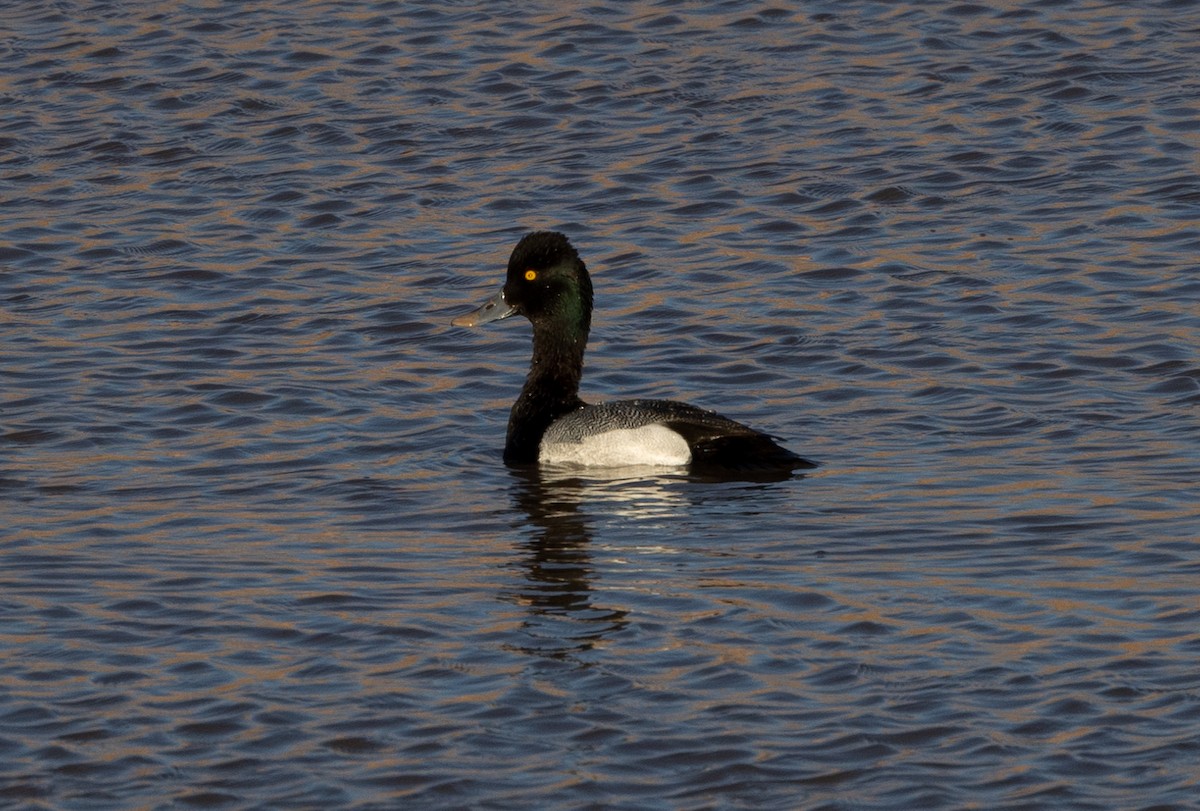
558,590
548,283
638,511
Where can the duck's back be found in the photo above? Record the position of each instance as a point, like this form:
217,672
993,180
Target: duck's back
660,432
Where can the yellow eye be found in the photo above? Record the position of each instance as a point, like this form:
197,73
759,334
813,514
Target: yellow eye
530,275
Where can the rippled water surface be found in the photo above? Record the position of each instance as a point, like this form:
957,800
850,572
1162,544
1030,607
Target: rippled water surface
259,549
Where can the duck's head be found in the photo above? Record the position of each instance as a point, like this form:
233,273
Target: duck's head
547,283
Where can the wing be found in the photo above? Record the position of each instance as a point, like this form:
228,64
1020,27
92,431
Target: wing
715,441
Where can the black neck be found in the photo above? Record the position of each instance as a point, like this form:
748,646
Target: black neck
550,390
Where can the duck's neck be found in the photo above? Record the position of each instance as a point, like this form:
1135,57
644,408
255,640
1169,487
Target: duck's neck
550,390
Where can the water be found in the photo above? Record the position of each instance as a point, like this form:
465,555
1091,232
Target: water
259,549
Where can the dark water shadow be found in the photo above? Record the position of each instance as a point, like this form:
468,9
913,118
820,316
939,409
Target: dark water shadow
562,508
563,618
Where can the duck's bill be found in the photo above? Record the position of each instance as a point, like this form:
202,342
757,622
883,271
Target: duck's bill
495,309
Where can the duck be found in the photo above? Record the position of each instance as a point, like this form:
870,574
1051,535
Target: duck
548,283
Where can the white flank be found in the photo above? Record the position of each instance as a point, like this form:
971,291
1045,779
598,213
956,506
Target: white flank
654,445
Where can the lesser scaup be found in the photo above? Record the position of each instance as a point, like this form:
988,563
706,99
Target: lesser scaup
548,283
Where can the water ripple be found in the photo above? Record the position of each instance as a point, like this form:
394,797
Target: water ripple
259,546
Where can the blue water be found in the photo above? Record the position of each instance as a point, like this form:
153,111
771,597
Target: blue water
259,549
